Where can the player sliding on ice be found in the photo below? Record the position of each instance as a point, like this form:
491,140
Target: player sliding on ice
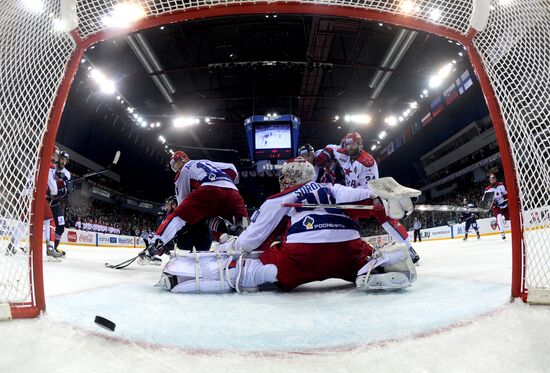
204,189
317,244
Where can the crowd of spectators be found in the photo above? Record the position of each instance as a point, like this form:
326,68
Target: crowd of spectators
96,216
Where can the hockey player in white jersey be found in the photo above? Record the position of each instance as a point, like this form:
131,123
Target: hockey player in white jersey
500,202
204,189
360,167
316,245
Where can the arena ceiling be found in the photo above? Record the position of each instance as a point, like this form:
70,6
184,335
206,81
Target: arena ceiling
229,68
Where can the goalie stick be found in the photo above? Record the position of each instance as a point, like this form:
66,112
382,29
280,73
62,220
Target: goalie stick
113,164
485,206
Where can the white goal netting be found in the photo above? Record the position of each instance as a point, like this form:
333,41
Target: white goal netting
514,47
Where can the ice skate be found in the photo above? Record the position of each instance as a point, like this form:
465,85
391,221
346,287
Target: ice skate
145,259
52,254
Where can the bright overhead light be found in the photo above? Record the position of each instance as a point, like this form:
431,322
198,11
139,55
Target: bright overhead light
185,121
407,6
106,85
382,134
339,127
445,70
82,60
360,118
152,125
118,97
391,120
162,27
460,54
143,124
157,124
425,92
380,24
400,119
347,118
373,147
35,5
123,15
130,110
206,120
435,14
435,81
413,105
336,117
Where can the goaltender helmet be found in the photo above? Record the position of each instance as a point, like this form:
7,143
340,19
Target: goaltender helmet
180,155
295,171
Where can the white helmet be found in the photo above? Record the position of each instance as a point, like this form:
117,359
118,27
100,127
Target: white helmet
295,171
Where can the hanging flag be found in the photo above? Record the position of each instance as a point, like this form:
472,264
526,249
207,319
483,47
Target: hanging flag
451,94
426,119
437,106
464,82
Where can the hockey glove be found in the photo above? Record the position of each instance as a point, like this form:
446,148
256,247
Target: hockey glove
156,248
228,244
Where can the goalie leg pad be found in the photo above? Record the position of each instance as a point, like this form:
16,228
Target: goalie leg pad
404,265
384,281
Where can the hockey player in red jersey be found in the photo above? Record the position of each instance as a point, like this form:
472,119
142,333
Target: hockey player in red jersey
204,189
500,202
360,167
316,245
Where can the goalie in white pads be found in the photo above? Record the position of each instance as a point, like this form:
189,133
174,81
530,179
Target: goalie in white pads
317,244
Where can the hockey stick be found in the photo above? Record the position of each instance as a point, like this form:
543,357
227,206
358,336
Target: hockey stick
125,263
113,163
485,206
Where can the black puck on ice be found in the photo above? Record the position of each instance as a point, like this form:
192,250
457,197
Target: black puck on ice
105,324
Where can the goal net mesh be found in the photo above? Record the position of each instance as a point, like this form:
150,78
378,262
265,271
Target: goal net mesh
514,48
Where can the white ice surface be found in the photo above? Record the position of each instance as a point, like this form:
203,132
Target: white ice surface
456,318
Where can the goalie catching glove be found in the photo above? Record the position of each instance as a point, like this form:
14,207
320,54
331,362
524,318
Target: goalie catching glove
395,197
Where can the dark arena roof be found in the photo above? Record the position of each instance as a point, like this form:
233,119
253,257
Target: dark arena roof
325,70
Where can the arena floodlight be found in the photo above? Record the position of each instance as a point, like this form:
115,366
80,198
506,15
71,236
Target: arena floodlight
407,6
435,14
105,85
123,15
184,122
36,6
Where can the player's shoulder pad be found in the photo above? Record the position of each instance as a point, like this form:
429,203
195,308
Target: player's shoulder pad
177,176
286,191
53,167
366,159
488,187
500,183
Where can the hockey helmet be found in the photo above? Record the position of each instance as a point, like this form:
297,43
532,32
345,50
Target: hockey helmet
305,149
353,143
295,171
177,157
55,154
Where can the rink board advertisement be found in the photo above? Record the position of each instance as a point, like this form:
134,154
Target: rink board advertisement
78,237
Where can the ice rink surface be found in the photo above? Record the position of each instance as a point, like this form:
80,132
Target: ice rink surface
457,317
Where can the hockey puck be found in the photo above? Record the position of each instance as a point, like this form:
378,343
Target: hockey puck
105,324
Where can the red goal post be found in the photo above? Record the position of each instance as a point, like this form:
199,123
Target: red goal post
507,41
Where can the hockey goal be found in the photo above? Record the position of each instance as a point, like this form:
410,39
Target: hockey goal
508,43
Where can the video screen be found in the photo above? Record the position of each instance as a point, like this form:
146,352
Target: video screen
272,136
